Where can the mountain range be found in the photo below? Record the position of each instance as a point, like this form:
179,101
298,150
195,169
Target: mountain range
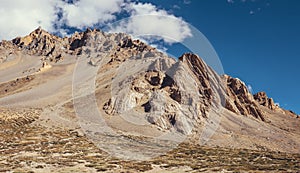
131,100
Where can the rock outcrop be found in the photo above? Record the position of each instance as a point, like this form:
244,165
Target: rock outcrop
170,94
40,42
45,66
240,100
262,99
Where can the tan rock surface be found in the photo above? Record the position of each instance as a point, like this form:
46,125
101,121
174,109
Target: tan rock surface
240,100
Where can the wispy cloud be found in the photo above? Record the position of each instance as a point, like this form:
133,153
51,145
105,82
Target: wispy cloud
250,88
255,6
187,1
176,6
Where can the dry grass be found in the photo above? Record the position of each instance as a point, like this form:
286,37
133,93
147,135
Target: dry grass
32,148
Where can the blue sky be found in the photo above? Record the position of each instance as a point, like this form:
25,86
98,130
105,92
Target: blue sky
257,41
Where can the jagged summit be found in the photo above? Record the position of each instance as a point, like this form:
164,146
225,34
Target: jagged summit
262,99
240,100
40,42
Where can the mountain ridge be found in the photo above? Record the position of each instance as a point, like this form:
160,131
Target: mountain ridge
41,43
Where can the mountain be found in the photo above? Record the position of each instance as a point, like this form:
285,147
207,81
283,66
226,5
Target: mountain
111,87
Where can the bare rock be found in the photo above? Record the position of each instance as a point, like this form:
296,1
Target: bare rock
262,99
171,94
40,42
240,100
45,66
207,81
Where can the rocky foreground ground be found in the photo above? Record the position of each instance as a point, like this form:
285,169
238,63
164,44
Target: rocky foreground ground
28,147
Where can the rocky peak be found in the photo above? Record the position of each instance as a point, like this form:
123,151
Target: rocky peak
183,92
34,38
87,38
40,42
262,99
200,70
240,100
129,43
195,63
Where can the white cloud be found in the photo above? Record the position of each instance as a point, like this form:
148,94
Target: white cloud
148,22
87,13
19,18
